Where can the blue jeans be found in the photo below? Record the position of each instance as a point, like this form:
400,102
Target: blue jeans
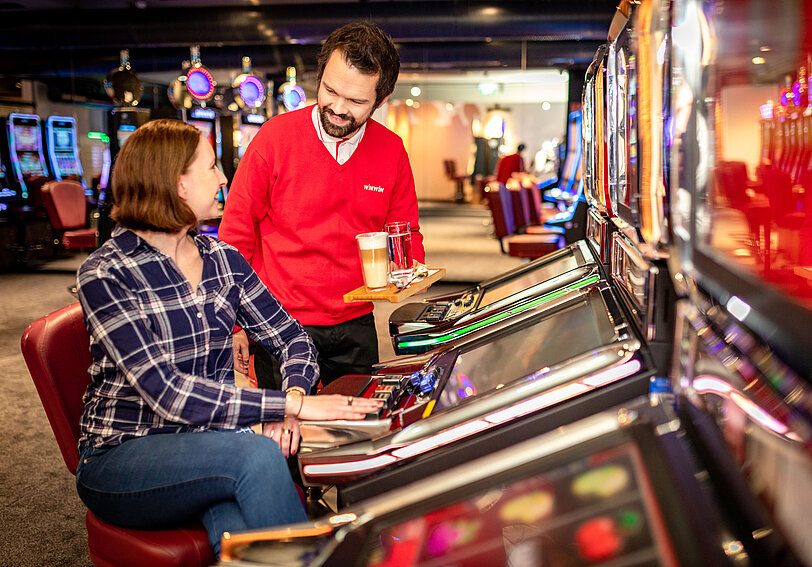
230,481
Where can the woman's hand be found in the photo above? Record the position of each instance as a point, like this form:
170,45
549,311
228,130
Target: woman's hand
336,407
285,433
240,348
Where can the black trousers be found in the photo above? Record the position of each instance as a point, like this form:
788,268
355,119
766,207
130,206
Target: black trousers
350,347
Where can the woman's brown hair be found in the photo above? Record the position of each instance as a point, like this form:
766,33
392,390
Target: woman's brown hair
146,175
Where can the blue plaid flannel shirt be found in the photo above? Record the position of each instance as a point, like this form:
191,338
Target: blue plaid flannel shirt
162,353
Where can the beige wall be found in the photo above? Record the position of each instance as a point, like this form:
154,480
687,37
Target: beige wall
435,132
740,116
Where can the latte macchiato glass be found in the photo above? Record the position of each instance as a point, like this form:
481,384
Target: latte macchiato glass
374,260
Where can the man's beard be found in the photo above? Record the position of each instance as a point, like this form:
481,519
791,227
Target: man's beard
339,131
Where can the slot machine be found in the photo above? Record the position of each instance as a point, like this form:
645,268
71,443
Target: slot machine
249,94
63,150
125,89
596,186
98,164
27,235
291,94
637,80
412,324
200,86
7,194
205,120
248,128
26,155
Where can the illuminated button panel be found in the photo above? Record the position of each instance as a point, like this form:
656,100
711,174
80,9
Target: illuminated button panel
443,310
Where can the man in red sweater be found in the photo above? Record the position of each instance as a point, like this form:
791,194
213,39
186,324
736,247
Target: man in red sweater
308,183
510,164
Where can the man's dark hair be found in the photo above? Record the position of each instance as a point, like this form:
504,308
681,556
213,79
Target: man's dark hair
367,48
521,148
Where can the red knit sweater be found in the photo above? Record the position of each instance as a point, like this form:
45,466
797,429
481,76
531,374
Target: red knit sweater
293,212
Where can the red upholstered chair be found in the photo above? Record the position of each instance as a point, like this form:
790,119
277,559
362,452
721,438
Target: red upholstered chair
67,210
56,349
518,245
450,167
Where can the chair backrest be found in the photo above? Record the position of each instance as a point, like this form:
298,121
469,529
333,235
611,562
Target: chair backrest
56,349
502,219
450,167
66,204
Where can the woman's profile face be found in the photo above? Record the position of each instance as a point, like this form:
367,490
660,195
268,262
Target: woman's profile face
201,182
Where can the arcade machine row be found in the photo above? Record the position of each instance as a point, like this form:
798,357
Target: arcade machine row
631,486
536,364
721,478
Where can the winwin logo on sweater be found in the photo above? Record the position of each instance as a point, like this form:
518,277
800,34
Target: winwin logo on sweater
373,188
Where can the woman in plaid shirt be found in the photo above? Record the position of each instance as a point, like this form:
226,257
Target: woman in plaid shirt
165,433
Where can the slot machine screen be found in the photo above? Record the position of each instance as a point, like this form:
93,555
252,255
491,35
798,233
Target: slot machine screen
206,128
27,144
555,338
63,140
247,133
64,150
594,509
515,285
26,138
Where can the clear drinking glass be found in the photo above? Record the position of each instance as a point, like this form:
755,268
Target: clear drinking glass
400,250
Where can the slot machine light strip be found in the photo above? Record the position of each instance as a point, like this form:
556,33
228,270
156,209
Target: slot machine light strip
462,331
704,384
350,466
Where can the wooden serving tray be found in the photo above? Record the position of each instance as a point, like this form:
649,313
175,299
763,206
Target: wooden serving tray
392,293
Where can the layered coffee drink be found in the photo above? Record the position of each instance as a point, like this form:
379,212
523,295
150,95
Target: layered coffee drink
374,259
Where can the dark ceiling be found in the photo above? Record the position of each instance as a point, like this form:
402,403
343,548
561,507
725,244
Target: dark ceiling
83,38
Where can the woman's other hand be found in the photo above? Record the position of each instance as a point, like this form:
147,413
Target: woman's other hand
240,347
285,433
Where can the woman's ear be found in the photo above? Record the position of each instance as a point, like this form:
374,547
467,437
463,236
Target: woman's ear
182,189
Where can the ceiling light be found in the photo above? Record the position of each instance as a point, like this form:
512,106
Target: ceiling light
758,61
415,91
409,102
545,105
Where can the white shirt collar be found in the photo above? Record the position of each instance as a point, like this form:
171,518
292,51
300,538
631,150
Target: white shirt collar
345,147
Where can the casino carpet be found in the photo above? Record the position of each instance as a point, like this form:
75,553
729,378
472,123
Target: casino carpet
41,517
